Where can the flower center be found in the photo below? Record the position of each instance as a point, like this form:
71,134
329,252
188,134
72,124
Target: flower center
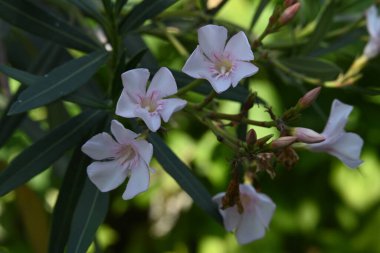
126,154
222,67
149,104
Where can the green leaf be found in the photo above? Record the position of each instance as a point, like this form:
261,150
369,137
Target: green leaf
89,214
19,75
29,17
59,82
181,173
45,151
90,8
323,24
314,68
64,208
142,12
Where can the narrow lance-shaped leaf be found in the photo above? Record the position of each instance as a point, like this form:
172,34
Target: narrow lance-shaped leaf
19,75
314,68
29,17
41,154
72,185
145,10
89,214
181,173
59,82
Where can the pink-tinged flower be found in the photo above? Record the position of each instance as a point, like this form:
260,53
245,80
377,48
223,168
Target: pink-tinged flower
257,212
138,102
345,146
221,64
117,160
372,48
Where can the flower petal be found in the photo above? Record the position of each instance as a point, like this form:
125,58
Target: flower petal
373,21
219,84
122,135
231,218
151,120
337,119
372,49
196,65
125,106
106,175
238,48
163,82
170,106
145,150
249,228
135,80
347,149
212,39
138,182
241,70
101,146
264,209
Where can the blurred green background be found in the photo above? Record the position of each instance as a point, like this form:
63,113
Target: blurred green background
322,206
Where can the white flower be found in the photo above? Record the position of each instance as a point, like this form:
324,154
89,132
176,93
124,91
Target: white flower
372,48
252,223
149,105
220,63
345,146
127,156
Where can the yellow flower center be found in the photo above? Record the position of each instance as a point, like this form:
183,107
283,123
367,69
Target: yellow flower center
149,104
127,153
223,66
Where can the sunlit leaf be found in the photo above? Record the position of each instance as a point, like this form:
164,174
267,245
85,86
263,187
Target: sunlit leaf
89,214
41,154
31,18
59,82
315,68
181,173
144,11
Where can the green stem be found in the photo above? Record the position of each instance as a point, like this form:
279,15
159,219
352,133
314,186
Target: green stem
189,87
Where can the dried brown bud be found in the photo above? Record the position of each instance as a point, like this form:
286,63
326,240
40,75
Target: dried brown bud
248,104
289,13
287,157
265,162
309,98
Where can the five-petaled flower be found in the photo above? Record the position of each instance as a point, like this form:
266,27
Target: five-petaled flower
372,49
149,105
257,212
127,156
345,146
221,64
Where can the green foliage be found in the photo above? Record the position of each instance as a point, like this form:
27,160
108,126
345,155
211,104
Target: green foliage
60,67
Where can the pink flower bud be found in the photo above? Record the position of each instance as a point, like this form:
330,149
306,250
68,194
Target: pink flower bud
251,137
283,141
309,97
288,3
307,135
289,13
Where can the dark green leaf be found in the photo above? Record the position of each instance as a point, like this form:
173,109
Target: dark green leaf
60,82
67,200
19,75
314,68
324,22
89,7
89,214
45,151
181,173
29,17
258,12
144,11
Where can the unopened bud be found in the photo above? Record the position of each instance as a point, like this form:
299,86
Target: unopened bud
264,140
288,3
283,141
309,97
248,104
289,13
251,138
307,135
